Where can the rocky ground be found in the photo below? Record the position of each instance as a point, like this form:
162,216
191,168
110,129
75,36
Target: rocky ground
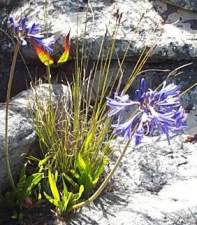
156,184
170,24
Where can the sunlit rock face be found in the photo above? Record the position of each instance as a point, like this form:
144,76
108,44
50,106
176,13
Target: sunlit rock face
143,23
185,4
155,184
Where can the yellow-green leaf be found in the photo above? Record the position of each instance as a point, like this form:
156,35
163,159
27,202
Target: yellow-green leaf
51,200
88,141
81,163
53,186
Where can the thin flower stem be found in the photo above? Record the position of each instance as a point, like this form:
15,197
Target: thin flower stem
21,55
11,75
105,182
184,92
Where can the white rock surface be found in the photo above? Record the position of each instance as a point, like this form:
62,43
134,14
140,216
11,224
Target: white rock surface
143,23
155,185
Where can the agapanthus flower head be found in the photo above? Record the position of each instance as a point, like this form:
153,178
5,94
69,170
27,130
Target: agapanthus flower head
25,32
151,110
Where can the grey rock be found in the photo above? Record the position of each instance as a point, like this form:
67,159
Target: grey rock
155,184
143,23
4,2
186,4
22,137
190,99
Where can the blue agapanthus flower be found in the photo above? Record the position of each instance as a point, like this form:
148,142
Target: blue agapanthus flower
24,32
150,111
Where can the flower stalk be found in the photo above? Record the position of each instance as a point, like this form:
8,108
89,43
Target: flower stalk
11,76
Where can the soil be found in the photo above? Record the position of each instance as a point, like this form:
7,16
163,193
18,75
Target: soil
33,216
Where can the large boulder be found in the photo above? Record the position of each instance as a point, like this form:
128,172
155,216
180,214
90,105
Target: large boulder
22,137
143,23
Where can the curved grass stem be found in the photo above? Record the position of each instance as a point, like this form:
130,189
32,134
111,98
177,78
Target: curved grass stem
105,182
11,75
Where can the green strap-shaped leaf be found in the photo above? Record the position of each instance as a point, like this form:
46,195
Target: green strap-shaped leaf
100,170
65,198
88,141
53,186
70,180
51,200
77,196
33,181
65,202
81,163
81,190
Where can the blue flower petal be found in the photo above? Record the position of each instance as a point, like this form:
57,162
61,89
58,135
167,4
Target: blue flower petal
32,33
157,110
